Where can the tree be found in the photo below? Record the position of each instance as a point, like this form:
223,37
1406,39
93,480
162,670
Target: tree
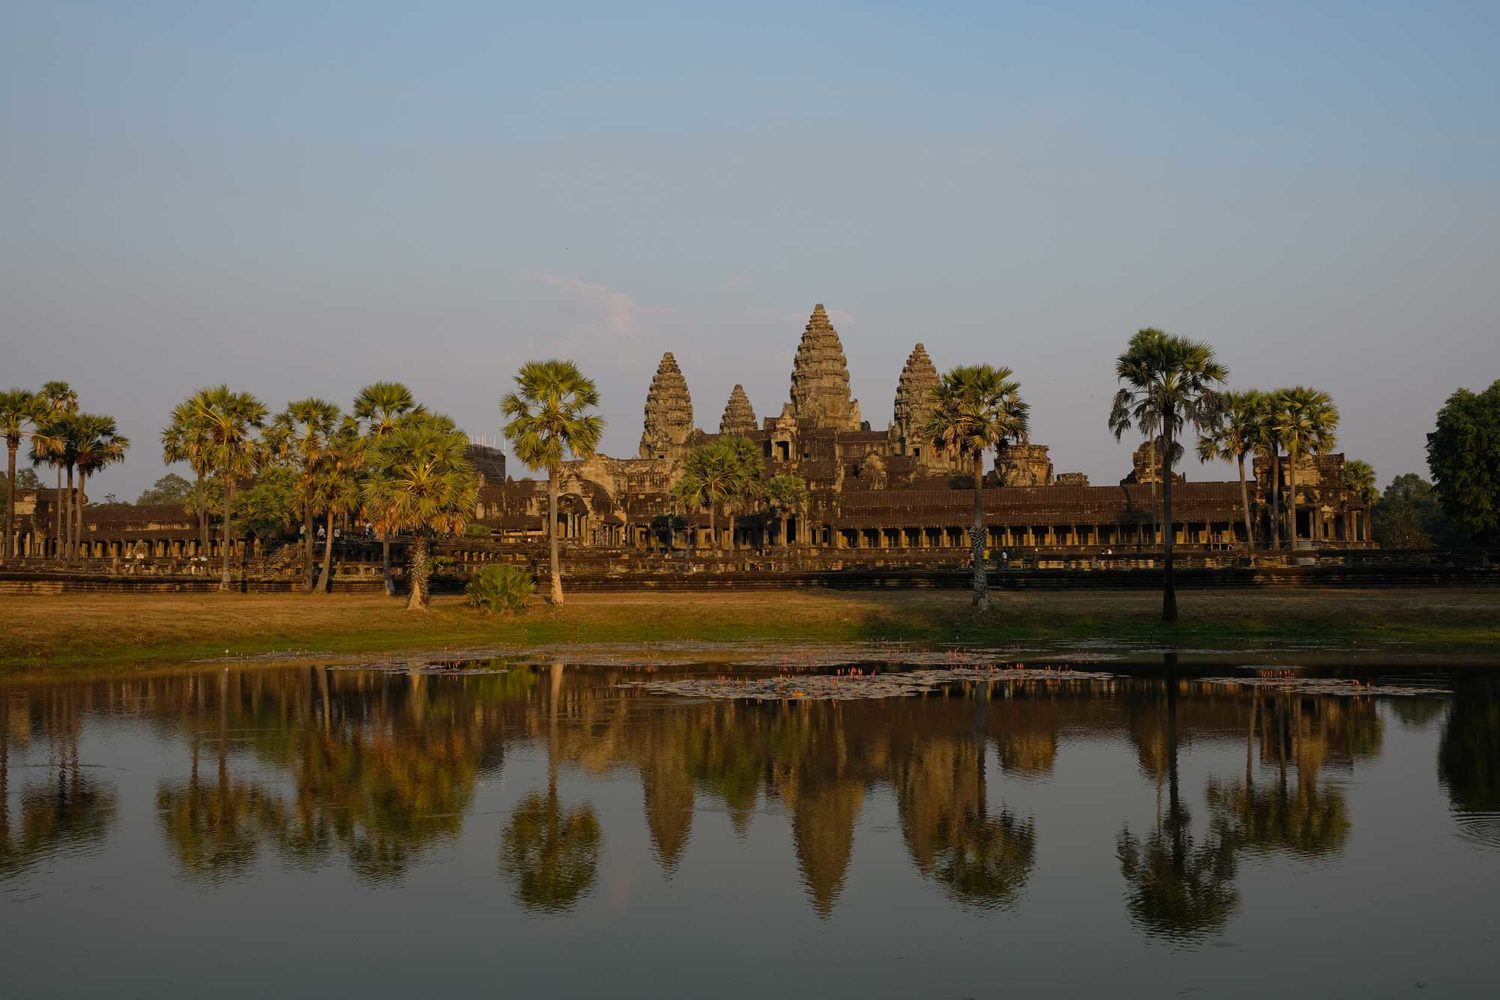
169,489
21,411
300,435
98,444
186,438
1308,420
337,486
1359,479
1268,447
1463,453
1167,384
786,495
269,505
419,480
977,409
229,421
379,407
723,473
548,417
1231,435
47,446
1408,515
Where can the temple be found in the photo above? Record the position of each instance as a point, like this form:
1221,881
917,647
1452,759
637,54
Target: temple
891,493
876,497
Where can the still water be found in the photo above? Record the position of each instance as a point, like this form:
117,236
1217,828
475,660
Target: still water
545,831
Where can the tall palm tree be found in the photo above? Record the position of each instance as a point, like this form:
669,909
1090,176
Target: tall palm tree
230,420
47,447
187,438
977,409
419,480
1167,383
380,406
21,411
1308,420
337,486
98,444
1232,435
786,495
300,435
1268,447
548,417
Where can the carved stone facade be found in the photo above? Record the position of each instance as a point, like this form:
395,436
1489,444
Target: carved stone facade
739,416
913,408
669,412
820,378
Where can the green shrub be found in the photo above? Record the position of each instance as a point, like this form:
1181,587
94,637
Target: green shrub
500,588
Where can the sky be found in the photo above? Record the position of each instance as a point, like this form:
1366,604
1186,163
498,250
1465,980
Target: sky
301,198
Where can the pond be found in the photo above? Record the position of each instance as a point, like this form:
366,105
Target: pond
612,830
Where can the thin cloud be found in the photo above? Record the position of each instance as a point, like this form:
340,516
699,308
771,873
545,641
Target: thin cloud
616,308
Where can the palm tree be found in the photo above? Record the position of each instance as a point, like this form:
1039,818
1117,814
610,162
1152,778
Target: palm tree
1268,447
1359,479
301,434
548,417
724,472
786,495
98,444
187,438
47,447
337,486
1167,384
229,420
975,409
1233,434
380,406
419,479
1307,421
21,411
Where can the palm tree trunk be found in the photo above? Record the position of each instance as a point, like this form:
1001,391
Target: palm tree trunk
713,527
557,591
68,518
731,531
10,498
325,579
78,514
307,548
981,582
57,513
416,600
1245,503
385,563
225,582
1155,516
1291,501
1275,496
1168,584
202,516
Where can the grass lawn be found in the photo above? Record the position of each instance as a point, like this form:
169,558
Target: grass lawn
111,630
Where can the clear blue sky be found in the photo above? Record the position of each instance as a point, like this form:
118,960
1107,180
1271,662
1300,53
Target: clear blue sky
299,198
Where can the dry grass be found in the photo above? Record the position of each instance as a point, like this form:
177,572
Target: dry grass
120,629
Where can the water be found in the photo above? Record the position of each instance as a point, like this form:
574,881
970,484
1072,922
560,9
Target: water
544,831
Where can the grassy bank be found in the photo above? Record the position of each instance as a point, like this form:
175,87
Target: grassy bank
107,630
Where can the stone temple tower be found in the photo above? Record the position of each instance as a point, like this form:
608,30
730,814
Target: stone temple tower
820,378
739,416
913,406
669,412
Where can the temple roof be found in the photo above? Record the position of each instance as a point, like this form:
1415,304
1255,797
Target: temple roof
820,376
669,410
739,416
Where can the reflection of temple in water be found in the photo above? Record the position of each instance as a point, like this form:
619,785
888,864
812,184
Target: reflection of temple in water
375,769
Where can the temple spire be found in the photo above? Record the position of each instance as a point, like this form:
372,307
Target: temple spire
669,412
739,415
913,406
820,377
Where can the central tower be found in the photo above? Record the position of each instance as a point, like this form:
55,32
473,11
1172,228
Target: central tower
820,378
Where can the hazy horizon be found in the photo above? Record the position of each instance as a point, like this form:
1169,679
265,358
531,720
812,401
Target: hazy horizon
301,199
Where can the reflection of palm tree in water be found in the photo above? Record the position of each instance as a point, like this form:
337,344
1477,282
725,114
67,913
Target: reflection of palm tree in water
550,857
1309,819
1176,887
980,860
75,810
